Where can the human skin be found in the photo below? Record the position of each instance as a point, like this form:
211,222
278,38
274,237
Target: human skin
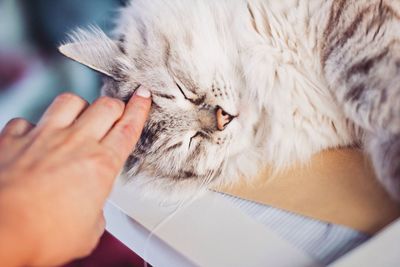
55,176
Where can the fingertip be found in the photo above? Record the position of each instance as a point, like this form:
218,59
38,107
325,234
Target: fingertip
140,103
63,111
143,92
17,127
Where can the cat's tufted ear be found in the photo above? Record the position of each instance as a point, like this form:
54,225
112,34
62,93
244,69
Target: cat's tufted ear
94,49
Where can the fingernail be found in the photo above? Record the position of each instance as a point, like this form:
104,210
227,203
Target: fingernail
143,92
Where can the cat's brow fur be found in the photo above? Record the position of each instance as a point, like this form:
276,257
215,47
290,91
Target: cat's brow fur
298,76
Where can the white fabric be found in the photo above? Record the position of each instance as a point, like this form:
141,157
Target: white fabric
325,242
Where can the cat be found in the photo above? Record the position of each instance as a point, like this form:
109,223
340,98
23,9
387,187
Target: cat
239,84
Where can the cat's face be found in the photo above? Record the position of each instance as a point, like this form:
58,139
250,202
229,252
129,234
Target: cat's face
200,118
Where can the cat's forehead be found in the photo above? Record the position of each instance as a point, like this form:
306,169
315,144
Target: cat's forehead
189,33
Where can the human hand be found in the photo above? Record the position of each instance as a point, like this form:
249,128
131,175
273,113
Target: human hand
56,176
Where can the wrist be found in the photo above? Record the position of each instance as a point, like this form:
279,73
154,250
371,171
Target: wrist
15,245
11,253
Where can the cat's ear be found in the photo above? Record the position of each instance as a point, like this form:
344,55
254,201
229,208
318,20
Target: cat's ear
93,48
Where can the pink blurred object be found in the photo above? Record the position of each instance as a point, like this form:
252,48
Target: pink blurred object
110,253
12,69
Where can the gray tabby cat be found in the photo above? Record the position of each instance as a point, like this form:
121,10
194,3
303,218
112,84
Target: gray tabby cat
241,84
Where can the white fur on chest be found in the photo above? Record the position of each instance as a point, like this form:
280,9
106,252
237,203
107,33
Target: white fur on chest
283,72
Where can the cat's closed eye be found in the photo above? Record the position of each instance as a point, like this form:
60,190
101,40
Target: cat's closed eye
196,100
183,93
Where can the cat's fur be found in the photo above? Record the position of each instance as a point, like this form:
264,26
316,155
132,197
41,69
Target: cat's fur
302,76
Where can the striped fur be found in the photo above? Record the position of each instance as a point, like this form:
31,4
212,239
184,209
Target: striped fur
361,59
302,76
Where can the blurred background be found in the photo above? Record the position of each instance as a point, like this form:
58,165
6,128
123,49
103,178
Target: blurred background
32,72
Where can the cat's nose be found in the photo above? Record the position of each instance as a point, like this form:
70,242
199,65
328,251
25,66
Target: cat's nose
223,118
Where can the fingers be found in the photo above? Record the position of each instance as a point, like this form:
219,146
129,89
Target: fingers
125,134
63,111
100,117
17,127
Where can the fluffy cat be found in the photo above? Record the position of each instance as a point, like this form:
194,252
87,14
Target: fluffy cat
240,84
